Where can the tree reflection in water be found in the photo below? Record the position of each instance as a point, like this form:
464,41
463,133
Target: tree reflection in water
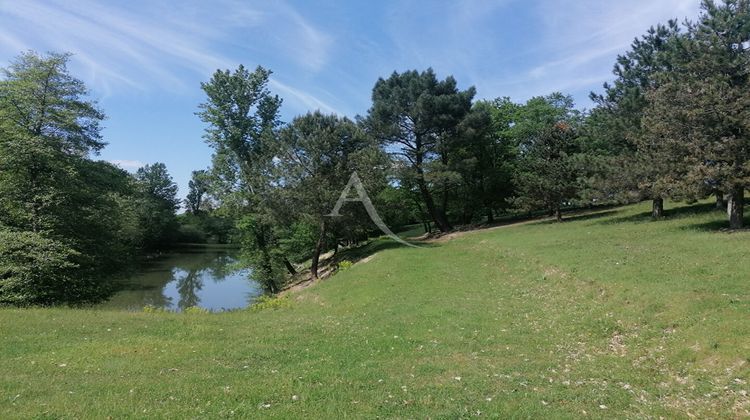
206,277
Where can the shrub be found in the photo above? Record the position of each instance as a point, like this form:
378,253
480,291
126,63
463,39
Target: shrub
196,310
269,302
35,270
344,265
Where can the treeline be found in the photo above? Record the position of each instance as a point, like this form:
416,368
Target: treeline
672,125
68,223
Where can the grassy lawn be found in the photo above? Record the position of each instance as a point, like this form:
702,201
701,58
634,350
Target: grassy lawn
605,315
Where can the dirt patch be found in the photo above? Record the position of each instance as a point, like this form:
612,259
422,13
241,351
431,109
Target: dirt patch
617,344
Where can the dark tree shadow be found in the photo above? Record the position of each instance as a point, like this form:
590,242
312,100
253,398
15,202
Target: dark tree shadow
580,217
717,226
375,246
682,212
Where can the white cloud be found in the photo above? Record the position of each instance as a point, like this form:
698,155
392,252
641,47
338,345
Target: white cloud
578,42
129,165
302,99
154,45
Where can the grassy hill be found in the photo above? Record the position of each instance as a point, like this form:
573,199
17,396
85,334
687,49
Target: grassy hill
605,315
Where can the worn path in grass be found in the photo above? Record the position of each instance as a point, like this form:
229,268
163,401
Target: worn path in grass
605,315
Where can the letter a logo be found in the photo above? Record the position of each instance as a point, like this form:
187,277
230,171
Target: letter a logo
362,196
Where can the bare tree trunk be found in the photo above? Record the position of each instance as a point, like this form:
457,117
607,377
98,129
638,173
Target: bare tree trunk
437,216
289,266
318,249
558,214
736,207
657,208
721,204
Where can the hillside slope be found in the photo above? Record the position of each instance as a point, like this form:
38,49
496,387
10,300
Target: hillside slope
608,314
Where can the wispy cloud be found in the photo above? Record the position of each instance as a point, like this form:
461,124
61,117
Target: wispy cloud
154,46
129,165
579,39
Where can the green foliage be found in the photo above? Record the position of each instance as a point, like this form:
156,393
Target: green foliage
614,130
242,117
418,115
344,265
316,156
51,193
198,187
195,310
35,270
697,119
550,164
269,302
262,251
157,194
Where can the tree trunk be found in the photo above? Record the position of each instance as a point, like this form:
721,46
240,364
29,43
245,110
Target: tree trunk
721,204
437,216
736,207
558,214
490,215
266,267
318,249
657,208
289,266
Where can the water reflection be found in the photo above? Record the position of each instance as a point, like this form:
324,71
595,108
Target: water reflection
205,277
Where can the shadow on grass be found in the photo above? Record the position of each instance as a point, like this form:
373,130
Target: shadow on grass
375,246
580,217
717,226
682,212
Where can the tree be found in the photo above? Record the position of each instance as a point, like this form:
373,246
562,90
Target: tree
417,114
317,154
549,166
698,115
484,156
46,128
198,187
66,218
157,205
242,118
616,124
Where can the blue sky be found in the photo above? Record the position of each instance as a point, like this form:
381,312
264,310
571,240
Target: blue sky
144,59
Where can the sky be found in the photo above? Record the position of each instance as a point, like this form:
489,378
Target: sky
144,60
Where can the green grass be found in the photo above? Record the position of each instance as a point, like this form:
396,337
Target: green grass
605,315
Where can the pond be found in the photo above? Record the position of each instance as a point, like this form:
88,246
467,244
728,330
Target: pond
207,277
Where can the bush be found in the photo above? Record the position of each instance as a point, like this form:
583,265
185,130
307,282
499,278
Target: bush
344,265
269,302
35,270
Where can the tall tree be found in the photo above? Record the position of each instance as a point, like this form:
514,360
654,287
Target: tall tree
157,205
699,115
484,156
317,155
616,124
549,168
242,117
69,215
197,189
416,114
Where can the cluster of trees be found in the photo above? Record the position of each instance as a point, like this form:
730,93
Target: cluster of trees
426,152
672,125
67,221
